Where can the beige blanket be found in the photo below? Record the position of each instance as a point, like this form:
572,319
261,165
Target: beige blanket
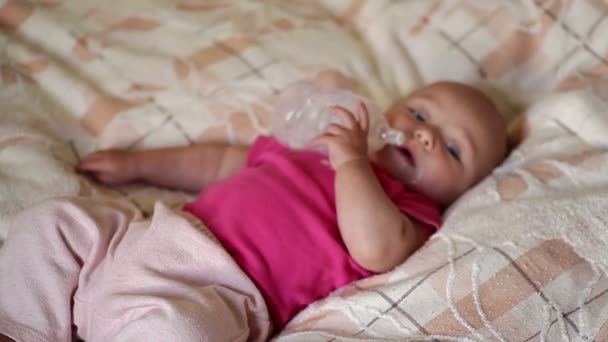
521,257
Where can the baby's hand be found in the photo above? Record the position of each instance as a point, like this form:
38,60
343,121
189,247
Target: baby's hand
112,167
348,141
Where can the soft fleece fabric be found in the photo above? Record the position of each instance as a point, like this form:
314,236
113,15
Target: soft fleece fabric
98,265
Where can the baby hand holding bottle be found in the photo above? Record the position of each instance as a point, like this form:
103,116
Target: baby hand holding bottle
306,115
346,141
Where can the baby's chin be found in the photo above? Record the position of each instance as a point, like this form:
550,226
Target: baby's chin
391,162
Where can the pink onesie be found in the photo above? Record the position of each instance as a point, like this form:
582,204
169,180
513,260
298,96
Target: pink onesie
277,218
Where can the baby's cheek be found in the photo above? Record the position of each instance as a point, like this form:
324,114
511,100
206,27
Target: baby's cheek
395,117
441,182
390,118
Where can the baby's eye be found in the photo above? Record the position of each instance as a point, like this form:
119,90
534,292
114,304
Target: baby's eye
418,115
453,151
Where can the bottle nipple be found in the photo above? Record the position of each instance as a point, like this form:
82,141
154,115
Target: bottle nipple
392,136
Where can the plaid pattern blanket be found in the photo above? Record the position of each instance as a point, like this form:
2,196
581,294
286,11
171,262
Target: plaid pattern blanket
521,257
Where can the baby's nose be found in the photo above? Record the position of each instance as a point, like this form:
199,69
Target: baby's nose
426,137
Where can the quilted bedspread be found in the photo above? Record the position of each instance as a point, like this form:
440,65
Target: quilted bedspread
522,256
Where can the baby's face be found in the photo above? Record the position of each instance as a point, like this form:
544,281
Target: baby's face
454,137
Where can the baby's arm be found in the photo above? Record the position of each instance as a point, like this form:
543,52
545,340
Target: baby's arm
376,233
188,168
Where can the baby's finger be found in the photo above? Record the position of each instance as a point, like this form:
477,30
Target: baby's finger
322,140
94,156
363,114
92,163
349,120
86,164
335,129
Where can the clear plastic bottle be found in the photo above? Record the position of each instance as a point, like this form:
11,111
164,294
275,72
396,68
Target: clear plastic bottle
303,111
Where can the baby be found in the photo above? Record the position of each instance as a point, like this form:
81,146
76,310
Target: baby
299,223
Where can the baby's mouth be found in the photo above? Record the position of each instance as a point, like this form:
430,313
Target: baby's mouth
407,156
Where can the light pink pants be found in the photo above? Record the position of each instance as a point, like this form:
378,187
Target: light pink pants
98,265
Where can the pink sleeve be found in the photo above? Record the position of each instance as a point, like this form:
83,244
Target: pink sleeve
262,145
413,204
419,207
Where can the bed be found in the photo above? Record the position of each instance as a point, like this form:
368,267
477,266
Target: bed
522,256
